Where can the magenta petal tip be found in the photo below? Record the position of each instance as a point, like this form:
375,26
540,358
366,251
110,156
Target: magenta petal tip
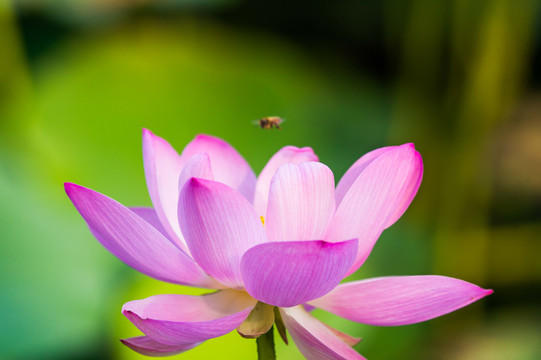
195,181
68,185
410,145
211,138
148,135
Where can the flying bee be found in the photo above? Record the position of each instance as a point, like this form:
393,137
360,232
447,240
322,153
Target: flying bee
269,122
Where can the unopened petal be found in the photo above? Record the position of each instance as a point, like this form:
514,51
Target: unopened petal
399,300
288,273
378,197
228,166
147,346
288,154
219,225
314,339
301,202
184,319
133,240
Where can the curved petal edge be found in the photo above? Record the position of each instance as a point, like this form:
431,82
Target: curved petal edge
145,345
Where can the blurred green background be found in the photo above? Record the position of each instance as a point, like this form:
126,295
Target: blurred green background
461,79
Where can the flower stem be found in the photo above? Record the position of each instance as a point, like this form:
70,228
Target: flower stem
265,346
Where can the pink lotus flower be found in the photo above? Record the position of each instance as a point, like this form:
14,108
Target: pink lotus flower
282,240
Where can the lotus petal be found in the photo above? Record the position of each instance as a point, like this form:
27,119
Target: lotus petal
288,154
228,166
314,339
219,225
399,300
301,202
378,197
162,170
288,273
185,319
147,346
134,241
355,170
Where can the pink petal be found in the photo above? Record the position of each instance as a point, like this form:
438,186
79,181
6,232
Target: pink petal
378,197
219,225
288,273
228,166
185,319
348,339
162,170
399,300
301,202
288,154
198,166
149,215
145,345
133,240
314,339
355,170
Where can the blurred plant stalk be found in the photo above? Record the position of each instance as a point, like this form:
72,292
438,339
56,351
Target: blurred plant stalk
482,68
15,82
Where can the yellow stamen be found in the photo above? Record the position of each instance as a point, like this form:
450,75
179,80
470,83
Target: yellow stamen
262,220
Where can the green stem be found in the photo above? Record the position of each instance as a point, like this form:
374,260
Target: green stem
265,346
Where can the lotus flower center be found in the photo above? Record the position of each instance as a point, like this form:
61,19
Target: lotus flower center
262,220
